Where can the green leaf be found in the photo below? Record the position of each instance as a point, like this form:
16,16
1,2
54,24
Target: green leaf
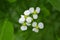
55,4
6,30
45,11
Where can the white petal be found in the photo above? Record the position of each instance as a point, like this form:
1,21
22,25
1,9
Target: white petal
28,24
27,12
21,20
23,28
37,9
28,19
35,30
41,25
22,16
34,24
35,16
31,10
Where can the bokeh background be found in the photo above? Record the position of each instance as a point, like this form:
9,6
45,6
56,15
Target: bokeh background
10,11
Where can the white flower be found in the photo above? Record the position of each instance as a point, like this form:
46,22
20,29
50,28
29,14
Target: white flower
37,26
23,28
22,20
28,24
34,24
27,12
41,25
35,30
34,11
37,9
35,16
31,10
28,19
22,16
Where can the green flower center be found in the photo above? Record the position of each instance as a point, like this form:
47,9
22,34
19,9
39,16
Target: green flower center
24,23
25,16
35,12
37,26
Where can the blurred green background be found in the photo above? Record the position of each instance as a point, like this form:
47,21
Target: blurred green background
10,11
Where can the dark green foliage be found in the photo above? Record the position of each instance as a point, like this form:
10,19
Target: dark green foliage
10,11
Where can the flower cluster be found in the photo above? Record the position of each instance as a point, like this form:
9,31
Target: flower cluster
26,20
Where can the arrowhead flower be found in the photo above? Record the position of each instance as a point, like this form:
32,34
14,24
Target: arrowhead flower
27,20
36,26
35,12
